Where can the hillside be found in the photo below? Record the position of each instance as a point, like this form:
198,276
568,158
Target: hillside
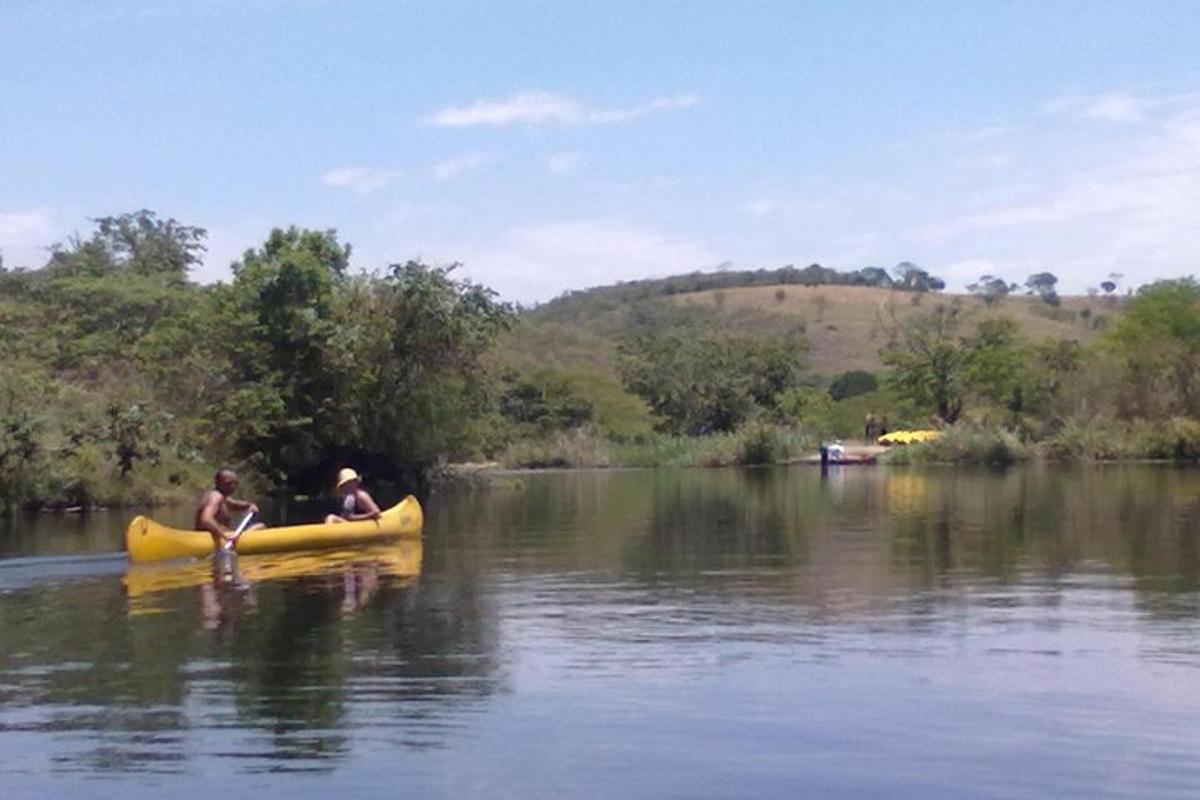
844,325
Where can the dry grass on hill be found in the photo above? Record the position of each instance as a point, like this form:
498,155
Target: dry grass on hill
843,323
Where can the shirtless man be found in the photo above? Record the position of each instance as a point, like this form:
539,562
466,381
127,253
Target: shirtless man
214,515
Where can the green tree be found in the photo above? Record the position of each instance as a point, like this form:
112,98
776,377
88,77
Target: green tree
995,364
408,367
129,435
991,290
1158,341
279,332
912,278
1042,284
138,243
875,276
928,362
852,384
702,383
21,437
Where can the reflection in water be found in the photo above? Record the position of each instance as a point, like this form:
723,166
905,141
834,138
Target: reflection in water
278,644
670,628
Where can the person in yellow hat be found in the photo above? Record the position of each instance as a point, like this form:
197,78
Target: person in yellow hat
353,501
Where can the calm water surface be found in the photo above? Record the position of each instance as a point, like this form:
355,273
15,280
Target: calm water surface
879,633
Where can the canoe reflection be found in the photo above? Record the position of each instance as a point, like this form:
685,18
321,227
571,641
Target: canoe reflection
227,583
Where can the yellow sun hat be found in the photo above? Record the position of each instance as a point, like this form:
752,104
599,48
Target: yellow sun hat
345,475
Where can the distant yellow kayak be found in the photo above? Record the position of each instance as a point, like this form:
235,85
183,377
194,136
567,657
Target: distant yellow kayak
908,437
147,540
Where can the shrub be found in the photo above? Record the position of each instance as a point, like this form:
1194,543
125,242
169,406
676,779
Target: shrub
1176,439
758,444
964,445
577,448
852,384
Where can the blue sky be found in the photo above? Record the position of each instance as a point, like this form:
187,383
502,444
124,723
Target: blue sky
554,146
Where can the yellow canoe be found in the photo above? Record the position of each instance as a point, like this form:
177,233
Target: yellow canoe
147,540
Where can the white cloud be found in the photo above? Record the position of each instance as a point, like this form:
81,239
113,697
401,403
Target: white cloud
1119,106
966,271
760,207
540,108
559,164
24,237
1110,107
538,262
989,133
1125,201
361,179
452,167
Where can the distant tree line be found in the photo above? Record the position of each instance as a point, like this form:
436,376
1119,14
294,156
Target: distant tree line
905,276
1141,374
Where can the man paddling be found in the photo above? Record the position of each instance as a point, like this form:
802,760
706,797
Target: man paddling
217,505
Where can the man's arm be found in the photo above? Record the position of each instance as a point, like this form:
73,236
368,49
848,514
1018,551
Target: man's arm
240,505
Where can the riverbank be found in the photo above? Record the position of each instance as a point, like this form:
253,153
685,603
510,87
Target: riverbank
1176,439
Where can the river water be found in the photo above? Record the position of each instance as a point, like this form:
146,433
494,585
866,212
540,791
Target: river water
877,632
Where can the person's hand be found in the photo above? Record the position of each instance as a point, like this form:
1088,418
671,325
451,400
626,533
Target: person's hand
377,516
253,509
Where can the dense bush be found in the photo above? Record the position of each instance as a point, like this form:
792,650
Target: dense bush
964,445
701,383
852,384
758,443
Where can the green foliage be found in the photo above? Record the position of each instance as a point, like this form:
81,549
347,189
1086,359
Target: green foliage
964,445
127,430
909,277
416,337
137,244
563,449
752,444
1042,284
928,362
990,290
807,406
292,367
705,383
1175,439
120,381
280,317
758,443
1158,342
995,363
20,437
852,384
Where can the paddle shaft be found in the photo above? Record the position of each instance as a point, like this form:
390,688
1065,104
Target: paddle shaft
229,543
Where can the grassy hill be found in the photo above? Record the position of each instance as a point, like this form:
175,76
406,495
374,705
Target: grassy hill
845,326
